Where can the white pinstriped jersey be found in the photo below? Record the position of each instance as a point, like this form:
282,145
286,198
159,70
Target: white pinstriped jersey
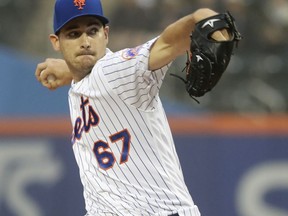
122,141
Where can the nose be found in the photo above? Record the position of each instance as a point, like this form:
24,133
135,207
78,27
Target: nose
85,42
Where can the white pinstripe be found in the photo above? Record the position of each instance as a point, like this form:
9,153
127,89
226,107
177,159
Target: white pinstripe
123,93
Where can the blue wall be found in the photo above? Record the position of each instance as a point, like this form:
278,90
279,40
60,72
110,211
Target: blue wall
223,173
20,92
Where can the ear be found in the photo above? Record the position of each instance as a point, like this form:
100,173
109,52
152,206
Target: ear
54,39
106,33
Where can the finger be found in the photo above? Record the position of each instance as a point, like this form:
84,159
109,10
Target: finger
49,85
226,34
222,35
44,75
40,67
53,85
218,36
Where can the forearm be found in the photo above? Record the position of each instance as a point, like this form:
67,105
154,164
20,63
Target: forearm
176,35
175,39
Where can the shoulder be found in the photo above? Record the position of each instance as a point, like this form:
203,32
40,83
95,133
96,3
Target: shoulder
130,53
127,57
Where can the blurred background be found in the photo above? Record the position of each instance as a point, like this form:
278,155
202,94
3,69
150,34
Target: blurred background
233,145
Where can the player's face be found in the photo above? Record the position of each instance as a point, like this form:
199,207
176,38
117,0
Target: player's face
82,42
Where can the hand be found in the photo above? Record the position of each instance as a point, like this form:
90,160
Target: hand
55,68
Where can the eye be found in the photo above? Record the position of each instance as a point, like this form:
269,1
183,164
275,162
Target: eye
73,34
93,31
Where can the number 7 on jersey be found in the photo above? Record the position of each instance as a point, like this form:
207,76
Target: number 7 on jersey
105,158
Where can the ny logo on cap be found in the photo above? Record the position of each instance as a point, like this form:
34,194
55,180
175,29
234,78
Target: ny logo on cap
79,4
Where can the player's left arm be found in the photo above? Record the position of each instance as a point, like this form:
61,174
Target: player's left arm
175,39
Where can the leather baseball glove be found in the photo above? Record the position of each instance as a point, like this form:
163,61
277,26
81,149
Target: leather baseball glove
208,58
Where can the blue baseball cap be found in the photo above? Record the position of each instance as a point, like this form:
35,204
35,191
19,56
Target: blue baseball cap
67,10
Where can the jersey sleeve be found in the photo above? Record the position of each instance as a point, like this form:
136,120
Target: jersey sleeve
128,75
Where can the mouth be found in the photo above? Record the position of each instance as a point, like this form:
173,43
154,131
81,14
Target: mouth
86,53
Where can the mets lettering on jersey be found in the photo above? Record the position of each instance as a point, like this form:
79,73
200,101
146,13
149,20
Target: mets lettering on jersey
82,124
122,141
104,158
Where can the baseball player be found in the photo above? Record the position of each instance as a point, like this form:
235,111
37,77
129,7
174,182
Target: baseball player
121,138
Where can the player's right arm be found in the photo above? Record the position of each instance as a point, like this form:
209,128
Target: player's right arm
56,68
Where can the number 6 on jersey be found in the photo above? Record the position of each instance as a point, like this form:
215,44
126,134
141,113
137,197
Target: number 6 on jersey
106,158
